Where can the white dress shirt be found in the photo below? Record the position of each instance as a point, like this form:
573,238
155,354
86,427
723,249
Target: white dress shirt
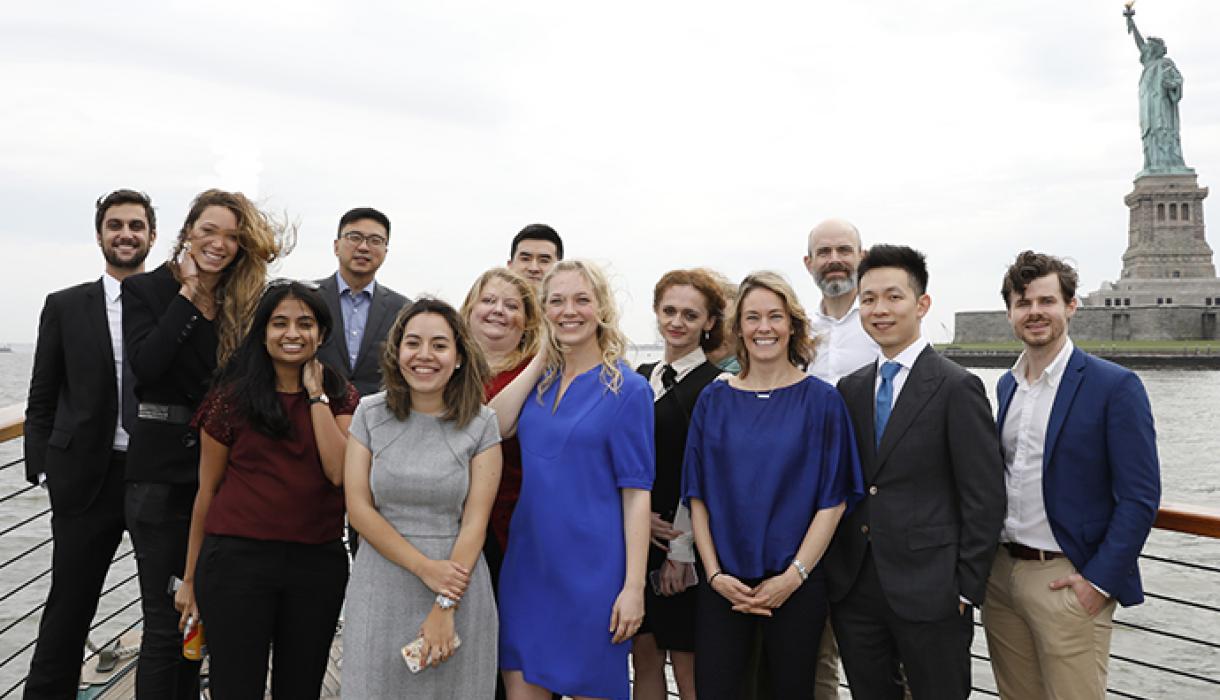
906,359
1023,437
682,547
843,346
114,319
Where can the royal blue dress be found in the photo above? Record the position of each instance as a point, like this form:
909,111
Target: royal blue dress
764,463
566,553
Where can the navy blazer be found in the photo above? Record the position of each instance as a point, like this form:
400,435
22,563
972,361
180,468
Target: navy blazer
1101,479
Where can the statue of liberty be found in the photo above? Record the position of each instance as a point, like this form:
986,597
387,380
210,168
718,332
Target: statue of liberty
1160,92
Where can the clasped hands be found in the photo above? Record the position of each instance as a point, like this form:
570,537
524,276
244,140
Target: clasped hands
761,599
450,579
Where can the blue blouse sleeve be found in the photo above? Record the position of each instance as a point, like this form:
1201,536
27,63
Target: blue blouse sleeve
632,446
842,479
692,461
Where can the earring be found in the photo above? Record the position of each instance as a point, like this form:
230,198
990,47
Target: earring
458,366
706,335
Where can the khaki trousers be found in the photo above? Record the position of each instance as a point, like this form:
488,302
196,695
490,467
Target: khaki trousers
1042,642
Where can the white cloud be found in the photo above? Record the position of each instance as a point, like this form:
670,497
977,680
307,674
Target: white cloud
652,135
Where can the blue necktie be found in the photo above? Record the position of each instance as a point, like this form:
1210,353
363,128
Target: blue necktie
885,397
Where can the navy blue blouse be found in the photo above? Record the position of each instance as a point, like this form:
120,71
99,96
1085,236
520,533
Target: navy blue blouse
763,467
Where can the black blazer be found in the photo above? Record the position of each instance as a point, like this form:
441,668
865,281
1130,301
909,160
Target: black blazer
366,375
73,407
171,348
935,500
671,423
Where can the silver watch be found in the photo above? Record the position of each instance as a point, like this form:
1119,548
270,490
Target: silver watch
445,602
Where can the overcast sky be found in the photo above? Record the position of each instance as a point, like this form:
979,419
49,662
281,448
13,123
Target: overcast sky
652,135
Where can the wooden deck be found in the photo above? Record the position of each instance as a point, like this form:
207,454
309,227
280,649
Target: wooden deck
121,683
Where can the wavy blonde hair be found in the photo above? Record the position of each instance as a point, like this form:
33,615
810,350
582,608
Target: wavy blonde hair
801,345
528,345
610,338
261,240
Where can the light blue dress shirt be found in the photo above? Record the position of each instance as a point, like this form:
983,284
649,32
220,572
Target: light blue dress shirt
355,308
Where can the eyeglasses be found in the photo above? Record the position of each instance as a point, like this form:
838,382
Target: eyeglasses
284,281
374,240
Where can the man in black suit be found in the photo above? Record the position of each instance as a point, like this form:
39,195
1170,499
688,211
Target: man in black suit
363,308
908,564
79,407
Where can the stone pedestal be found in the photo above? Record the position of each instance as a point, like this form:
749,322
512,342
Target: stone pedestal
1165,238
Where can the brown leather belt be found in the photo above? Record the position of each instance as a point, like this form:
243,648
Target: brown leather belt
1020,551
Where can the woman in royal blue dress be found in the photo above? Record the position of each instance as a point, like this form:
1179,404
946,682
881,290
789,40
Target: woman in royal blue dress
572,583
770,467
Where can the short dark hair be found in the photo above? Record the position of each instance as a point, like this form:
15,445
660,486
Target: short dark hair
900,256
363,213
1029,266
124,197
537,232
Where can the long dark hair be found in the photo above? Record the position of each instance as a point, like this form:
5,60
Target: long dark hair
248,378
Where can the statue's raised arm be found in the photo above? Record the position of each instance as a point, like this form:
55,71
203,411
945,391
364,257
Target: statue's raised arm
1129,13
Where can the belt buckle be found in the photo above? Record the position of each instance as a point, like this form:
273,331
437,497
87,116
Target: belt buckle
156,412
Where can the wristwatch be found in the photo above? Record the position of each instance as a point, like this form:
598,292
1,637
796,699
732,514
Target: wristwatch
445,602
320,398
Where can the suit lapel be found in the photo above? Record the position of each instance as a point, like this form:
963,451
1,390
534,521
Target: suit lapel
1068,386
338,333
861,404
925,378
377,313
1008,388
99,322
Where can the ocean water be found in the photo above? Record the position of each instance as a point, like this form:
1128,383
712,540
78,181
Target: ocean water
1186,405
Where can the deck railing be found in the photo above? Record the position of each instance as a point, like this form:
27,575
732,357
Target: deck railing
1177,654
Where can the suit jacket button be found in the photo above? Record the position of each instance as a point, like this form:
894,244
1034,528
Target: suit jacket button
864,529
872,490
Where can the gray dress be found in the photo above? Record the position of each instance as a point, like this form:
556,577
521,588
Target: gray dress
419,479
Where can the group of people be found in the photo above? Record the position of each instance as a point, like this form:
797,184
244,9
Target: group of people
780,489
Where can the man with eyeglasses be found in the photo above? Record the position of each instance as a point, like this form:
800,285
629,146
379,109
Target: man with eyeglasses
79,407
364,310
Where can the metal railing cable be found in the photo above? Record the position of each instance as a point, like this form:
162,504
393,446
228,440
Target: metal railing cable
27,521
1181,601
13,463
1178,562
26,553
17,493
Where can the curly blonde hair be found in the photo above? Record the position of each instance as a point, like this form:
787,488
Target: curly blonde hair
528,346
801,345
610,337
261,240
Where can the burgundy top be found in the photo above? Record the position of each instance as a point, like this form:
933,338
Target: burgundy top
510,471
274,489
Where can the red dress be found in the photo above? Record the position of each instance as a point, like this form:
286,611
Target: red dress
510,472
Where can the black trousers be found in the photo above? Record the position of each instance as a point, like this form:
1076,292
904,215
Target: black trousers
84,545
874,641
255,595
724,640
159,520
